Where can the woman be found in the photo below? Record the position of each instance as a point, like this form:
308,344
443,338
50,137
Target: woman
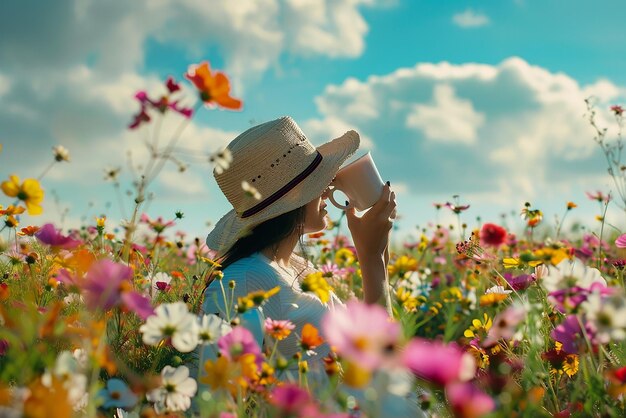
256,240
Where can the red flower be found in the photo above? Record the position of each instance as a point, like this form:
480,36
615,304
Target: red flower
492,234
214,88
618,110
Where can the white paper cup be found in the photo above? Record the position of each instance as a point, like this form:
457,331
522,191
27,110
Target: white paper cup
360,182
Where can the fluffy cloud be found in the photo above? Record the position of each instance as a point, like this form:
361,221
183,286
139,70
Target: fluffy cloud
498,133
470,19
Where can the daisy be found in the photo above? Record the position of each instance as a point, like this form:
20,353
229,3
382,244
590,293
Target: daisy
175,392
173,321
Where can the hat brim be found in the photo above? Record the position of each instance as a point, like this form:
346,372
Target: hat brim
334,153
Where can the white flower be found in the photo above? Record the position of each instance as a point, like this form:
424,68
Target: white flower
67,368
175,392
160,277
172,320
222,160
211,328
61,153
570,273
250,190
500,290
608,315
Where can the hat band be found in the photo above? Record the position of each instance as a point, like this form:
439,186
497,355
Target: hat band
285,189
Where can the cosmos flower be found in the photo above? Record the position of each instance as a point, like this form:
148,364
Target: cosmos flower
175,392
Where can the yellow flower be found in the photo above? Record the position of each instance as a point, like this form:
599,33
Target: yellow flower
355,376
554,255
30,192
451,294
254,299
479,328
407,300
492,298
315,283
403,266
101,221
344,256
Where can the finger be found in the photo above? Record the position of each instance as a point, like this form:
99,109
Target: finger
350,211
390,208
383,200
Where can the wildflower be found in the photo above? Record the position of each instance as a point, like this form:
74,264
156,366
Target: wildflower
521,282
617,110
315,283
221,160
467,401
160,282
278,329
362,334
218,373
47,400
438,363
211,328
175,392
310,338
172,321
492,235
344,257
479,327
617,381
620,242
532,216
250,190
598,196
141,117
214,89
505,325
50,236
608,316
291,399
456,208
569,274
117,395
571,205
403,266
61,153
111,173
569,334
28,231
255,299
30,192
12,210
561,362
158,225
238,343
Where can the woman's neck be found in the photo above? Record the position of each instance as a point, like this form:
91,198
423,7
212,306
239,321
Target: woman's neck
281,252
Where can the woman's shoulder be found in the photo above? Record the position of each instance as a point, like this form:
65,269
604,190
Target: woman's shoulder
251,269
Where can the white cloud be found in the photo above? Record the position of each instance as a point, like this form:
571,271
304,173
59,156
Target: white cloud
470,19
496,132
448,118
5,85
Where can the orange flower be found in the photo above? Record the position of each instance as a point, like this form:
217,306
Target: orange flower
51,402
310,337
214,88
12,210
29,231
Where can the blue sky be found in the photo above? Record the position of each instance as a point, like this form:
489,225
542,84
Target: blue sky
484,99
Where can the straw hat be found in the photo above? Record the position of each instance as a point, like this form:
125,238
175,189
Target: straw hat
277,160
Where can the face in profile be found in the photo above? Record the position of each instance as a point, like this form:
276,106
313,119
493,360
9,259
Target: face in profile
315,214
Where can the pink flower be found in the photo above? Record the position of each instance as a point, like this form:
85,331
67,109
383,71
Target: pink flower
438,363
456,208
620,242
290,398
158,225
108,284
570,335
505,325
362,333
492,234
50,236
237,343
467,401
599,196
617,110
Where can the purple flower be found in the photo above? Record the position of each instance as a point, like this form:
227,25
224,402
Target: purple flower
620,242
438,363
50,236
290,398
521,282
570,335
138,303
104,282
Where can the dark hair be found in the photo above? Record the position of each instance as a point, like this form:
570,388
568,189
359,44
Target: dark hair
265,235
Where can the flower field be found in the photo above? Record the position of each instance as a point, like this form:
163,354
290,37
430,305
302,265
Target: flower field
487,320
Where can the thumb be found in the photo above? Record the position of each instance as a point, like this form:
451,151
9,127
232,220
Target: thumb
350,211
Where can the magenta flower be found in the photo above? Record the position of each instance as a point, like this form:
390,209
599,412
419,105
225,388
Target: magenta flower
438,363
48,235
158,225
620,242
108,284
467,401
362,333
617,110
172,85
237,343
456,208
290,398
521,282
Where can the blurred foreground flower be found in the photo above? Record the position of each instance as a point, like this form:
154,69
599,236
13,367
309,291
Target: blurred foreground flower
172,321
175,392
48,235
30,192
117,395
